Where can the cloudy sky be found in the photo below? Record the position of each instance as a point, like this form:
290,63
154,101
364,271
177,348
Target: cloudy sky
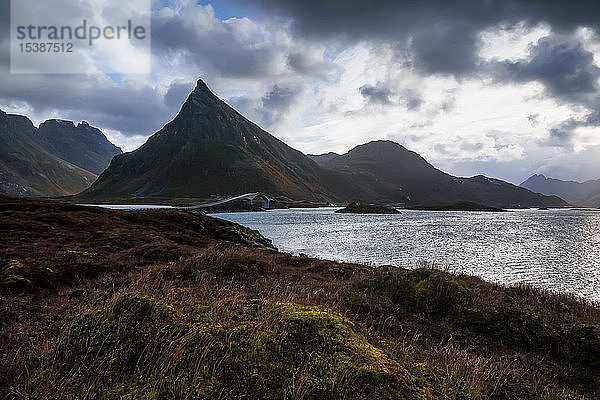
504,88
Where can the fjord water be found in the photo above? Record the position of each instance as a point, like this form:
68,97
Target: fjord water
557,250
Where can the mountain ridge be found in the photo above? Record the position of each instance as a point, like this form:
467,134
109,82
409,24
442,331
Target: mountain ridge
55,159
387,170
211,150
81,144
585,193
27,169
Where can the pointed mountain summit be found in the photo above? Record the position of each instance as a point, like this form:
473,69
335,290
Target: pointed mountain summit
210,149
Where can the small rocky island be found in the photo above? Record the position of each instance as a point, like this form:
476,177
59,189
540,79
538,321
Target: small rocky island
359,208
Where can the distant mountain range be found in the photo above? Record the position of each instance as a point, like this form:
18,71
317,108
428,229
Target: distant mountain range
387,171
577,193
56,159
210,149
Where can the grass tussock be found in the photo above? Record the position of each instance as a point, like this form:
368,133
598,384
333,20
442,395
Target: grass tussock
175,305
142,348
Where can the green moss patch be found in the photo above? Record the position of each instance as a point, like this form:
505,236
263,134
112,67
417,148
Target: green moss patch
141,348
17,275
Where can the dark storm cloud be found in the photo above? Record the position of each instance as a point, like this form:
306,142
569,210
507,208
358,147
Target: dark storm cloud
563,135
560,63
177,93
277,102
191,38
445,49
443,33
568,73
377,94
442,37
235,48
390,18
383,94
218,49
132,109
306,65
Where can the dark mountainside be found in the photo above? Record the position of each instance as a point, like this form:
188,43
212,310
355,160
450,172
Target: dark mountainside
593,199
209,148
27,168
386,172
323,159
578,193
82,145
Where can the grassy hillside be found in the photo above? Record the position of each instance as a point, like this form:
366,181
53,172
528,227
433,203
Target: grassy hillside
167,304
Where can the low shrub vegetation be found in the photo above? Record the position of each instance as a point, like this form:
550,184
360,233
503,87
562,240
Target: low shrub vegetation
167,304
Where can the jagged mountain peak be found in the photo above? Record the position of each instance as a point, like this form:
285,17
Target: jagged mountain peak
55,122
205,117
82,144
201,88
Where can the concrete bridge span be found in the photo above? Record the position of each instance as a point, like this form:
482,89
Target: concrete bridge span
250,197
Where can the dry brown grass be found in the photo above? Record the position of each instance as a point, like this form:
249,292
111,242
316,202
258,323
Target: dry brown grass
441,326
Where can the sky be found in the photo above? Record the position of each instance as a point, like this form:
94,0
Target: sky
501,88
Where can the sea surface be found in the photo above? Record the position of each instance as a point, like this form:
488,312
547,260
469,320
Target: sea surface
557,250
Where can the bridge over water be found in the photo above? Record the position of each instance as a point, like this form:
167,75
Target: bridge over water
250,197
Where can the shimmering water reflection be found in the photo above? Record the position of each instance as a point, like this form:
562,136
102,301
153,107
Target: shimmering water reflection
553,249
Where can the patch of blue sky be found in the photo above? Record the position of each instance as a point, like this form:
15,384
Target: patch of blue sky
224,9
